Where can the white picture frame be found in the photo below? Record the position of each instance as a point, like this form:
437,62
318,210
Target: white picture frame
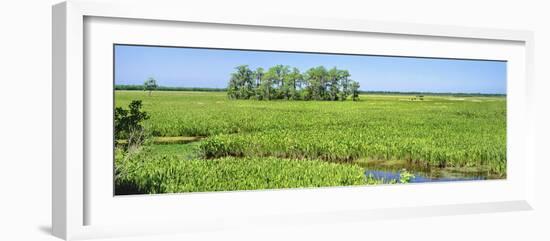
78,195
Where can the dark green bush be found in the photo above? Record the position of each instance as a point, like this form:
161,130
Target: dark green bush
129,124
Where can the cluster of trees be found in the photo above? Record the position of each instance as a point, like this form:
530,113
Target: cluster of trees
284,82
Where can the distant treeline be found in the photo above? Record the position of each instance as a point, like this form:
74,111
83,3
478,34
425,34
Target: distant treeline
455,94
166,88
284,82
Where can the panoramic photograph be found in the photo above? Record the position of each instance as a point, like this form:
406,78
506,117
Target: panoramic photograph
205,120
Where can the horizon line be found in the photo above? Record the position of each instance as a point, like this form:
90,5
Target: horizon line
184,88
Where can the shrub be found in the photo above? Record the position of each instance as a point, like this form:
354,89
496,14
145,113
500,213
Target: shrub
129,124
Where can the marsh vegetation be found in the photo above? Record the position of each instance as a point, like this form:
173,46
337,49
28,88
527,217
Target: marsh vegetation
204,141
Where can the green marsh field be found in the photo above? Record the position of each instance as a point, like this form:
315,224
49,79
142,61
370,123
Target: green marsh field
204,141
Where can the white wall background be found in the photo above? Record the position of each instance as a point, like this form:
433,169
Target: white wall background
25,118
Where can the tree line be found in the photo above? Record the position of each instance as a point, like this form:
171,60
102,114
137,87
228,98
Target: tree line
284,82
169,88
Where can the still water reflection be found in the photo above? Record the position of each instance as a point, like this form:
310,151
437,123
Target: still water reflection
419,177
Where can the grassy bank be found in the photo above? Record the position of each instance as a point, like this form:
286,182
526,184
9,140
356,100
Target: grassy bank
158,169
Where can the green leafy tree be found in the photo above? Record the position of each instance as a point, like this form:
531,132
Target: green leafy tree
258,75
277,76
266,85
355,90
273,83
294,81
333,83
269,83
241,84
344,84
316,80
150,85
246,77
129,124
233,88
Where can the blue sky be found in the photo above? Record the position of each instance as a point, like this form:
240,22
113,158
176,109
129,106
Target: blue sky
194,67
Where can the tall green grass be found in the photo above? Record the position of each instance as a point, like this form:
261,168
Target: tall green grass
439,131
150,172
